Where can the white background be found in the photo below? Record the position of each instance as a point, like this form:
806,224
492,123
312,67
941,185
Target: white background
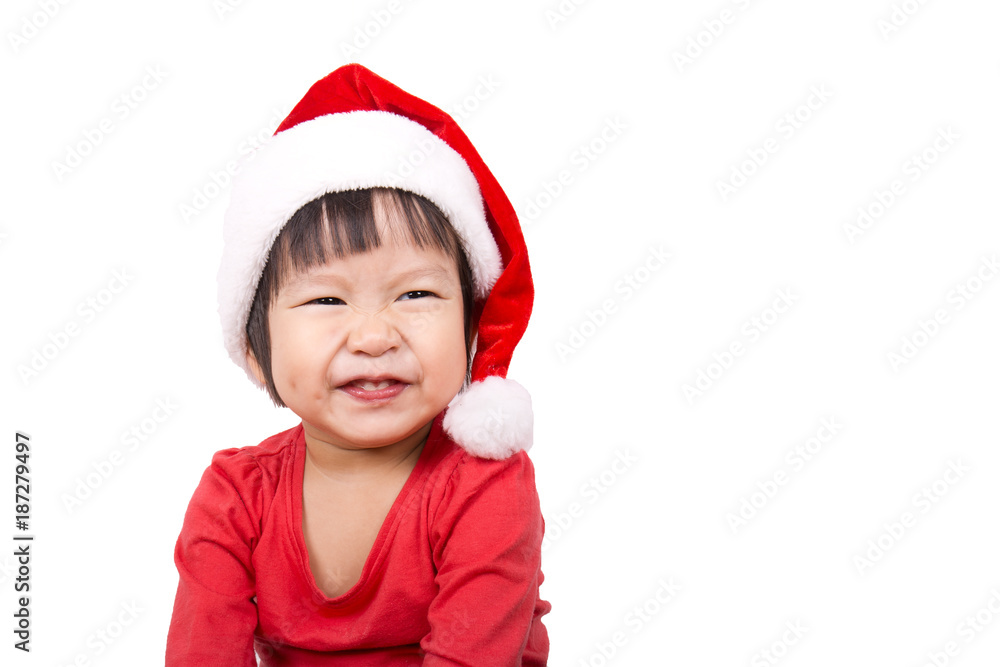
618,392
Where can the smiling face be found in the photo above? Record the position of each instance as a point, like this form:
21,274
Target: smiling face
369,348
365,344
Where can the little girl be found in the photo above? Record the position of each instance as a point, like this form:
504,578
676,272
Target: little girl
374,280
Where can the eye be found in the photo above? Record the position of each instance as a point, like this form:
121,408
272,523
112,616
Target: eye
415,294
328,301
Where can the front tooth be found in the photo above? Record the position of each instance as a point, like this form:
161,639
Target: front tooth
368,385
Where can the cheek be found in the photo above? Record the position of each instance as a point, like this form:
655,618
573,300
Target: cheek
279,346
288,341
453,353
438,339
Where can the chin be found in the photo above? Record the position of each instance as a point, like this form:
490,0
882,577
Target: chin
373,438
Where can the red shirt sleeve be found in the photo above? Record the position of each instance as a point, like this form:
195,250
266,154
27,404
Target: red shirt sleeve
486,537
214,614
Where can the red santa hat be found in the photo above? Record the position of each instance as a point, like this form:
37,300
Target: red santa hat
353,130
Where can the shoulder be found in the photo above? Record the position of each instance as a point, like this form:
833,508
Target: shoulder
252,471
458,466
267,457
508,485
471,470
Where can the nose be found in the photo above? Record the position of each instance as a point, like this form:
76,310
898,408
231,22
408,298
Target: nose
371,334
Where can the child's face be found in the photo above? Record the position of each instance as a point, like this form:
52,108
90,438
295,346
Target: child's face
368,349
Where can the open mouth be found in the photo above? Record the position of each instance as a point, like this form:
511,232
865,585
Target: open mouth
374,390
373,385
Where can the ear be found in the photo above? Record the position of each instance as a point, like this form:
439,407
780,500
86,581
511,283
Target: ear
254,367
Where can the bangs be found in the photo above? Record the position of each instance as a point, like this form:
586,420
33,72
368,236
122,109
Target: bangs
340,224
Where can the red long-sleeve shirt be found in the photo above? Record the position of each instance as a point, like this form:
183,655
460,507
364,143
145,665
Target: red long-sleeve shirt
452,578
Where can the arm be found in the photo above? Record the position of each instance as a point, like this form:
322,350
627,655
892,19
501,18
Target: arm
486,540
214,614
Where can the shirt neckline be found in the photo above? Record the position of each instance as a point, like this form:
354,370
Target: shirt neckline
388,528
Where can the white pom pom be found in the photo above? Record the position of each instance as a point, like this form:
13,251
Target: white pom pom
491,419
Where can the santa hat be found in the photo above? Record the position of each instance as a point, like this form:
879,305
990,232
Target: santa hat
353,130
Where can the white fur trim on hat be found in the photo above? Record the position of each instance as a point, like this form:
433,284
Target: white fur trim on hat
492,418
332,153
